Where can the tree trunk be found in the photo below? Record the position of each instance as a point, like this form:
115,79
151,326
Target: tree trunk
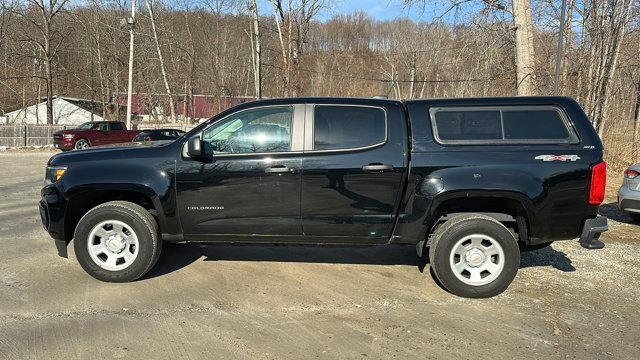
257,59
525,77
172,107
49,75
285,59
568,45
636,130
608,64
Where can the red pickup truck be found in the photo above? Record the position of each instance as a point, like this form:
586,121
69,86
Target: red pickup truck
93,134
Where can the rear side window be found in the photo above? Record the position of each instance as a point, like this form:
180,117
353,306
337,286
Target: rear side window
501,125
116,126
348,127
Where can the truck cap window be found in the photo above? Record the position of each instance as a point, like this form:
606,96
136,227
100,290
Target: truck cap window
252,131
540,124
348,127
501,125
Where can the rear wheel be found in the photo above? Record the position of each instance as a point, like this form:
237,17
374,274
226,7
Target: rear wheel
634,216
474,256
117,241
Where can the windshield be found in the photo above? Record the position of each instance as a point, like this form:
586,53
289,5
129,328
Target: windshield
85,126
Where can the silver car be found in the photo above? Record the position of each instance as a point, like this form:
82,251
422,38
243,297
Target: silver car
629,193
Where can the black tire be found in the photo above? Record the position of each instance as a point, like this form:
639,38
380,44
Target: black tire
133,216
451,232
77,146
634,216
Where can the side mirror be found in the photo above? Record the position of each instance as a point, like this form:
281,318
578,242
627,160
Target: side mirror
194,147
198,149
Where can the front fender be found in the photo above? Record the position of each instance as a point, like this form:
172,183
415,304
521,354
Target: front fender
125,176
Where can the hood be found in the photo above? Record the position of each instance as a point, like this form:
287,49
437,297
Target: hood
136,144
68,131
113,151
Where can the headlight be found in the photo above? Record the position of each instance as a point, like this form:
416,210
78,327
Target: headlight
68,136
54,173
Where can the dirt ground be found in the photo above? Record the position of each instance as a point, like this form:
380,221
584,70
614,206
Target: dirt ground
227,302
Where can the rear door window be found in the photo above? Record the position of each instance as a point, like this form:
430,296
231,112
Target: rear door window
501,125
340,127
116,126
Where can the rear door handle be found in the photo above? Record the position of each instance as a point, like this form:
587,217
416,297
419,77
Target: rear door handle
278,169
377,167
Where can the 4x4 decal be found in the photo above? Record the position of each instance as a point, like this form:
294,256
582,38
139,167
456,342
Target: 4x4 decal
557,157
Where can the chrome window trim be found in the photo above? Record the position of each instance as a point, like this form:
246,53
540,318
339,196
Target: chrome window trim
571,140
297,128
296,131
310,125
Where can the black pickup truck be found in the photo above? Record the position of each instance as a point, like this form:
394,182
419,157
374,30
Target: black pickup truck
474,181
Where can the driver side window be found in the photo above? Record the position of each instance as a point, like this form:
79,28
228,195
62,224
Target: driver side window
252,131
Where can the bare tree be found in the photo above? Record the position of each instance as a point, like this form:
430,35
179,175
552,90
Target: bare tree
523,34
608,26
256,48
163,70
293,22
525,62
49,40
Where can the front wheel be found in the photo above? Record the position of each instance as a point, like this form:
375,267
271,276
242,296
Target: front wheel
634,216
117,241
474,256
81,144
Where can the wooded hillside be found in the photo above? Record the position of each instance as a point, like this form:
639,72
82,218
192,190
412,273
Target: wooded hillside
213,47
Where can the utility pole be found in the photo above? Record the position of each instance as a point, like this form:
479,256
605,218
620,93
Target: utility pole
556,80
131,22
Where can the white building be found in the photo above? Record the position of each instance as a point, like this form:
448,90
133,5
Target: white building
66,111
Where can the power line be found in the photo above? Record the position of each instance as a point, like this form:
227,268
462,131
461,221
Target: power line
436,81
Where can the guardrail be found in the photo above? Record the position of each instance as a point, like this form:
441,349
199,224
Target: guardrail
25,135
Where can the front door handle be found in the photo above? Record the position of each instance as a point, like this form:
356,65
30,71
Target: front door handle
377,167
278,169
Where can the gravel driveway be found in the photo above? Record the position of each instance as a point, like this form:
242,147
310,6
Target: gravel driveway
305,302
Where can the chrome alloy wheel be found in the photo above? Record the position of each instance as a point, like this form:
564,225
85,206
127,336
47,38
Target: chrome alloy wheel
477,259
81,144
113,245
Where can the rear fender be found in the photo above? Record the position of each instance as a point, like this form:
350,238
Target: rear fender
487,189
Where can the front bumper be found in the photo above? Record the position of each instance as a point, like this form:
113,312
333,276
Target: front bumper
63,143
52,208
628,200
591,230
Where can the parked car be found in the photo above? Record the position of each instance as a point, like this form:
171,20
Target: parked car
629,193
468,179
93,134
158,134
